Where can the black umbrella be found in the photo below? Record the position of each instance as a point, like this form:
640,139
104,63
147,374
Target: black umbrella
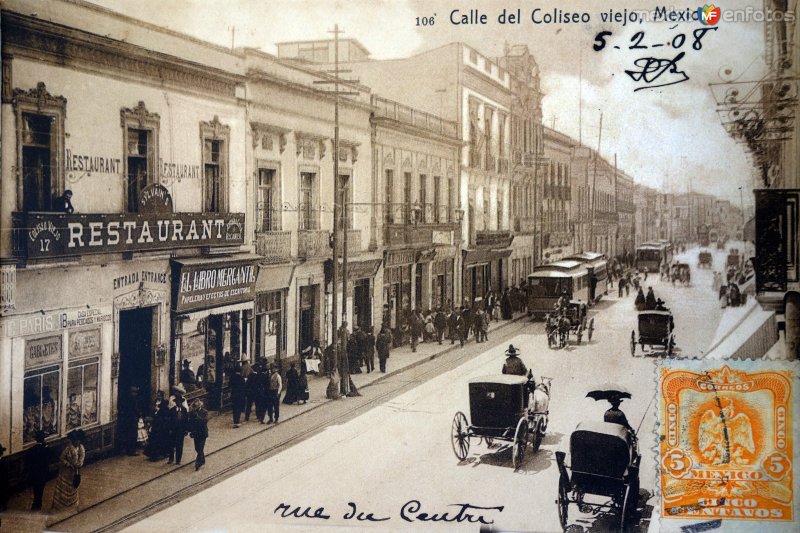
611,392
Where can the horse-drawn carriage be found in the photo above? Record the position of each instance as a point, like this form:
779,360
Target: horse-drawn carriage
604,462
504,407
705,259
656,328
573,319
682,273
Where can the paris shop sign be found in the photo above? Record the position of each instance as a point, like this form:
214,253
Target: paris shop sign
57,235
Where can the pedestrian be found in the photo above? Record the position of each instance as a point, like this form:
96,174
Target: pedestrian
160,439
506,305
329,359
37,464
275,387
238,394
430,329
440,323
302,389
646,270
461,328
246,368
415,327
621,286
466,326
452,325
485,327
639,303
650,299
262,393
187,378
251,393
490,301
354,351
128,415
198,427
180,425
5,477
292,385
477,324
368,350
383,344
70,463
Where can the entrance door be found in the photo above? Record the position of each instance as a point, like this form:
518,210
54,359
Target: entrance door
306,322
363,303
135,359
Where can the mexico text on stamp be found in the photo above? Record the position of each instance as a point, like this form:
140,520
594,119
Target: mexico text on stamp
726,442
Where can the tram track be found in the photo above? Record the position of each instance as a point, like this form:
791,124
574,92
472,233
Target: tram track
399,383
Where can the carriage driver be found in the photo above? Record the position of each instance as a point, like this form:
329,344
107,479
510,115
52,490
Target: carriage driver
514,364
615,414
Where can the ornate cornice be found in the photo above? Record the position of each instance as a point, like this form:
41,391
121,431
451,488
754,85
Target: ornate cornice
215,129
39,97
263,132
307,143
44,41
139,115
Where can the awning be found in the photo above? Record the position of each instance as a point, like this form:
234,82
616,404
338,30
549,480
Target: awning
274,278
213,282
196,315
484,256
355,269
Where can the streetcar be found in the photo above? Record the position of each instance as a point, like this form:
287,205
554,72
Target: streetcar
597,264
651,255
549,282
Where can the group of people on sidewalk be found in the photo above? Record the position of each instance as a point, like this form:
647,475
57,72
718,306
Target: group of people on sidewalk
37,465
172,420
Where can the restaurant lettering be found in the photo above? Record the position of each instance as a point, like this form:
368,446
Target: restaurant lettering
92,163
176,171
55,234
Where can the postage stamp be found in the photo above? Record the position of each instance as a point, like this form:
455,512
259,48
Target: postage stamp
726,442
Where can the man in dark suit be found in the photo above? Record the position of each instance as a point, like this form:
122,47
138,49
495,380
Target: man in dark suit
37,463
368,350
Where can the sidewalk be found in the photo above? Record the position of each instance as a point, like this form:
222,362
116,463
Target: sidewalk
111,477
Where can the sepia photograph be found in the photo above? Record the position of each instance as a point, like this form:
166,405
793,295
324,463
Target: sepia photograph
399,266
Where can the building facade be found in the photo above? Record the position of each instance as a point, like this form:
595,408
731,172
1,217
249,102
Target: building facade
556,198
151,145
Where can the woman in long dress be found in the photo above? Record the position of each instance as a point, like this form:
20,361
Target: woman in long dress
292,385
70,463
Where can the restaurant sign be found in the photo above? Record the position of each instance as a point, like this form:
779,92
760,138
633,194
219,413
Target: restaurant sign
47,235
204,285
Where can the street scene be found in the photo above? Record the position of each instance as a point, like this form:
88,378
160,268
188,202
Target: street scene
397,266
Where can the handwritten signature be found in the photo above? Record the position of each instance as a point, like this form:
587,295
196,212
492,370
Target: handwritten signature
411,511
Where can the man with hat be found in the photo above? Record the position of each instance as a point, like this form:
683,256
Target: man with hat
179,413
187,375
37,463
514,364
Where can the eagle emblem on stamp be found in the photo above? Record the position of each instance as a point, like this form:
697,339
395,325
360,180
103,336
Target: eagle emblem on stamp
726,442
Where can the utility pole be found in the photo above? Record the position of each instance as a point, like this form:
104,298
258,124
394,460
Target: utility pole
346,386
594,185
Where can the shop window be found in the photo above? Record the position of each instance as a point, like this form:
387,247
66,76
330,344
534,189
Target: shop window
308,201
215,137
40,135
140,136
41,395
82,393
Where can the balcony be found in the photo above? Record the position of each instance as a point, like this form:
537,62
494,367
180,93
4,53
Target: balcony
625,206
313,244
274,246
39,235
418,225
401,113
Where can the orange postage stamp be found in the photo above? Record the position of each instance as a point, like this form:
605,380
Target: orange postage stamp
726,445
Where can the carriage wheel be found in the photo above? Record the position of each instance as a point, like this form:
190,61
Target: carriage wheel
489,441
591,329
563,501
633,343
459,435
629,505
520,443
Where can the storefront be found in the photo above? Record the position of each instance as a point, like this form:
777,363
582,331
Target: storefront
397,280
270,327
213,310
442,270
484,270
361,283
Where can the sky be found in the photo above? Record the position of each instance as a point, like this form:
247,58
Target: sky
669,137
